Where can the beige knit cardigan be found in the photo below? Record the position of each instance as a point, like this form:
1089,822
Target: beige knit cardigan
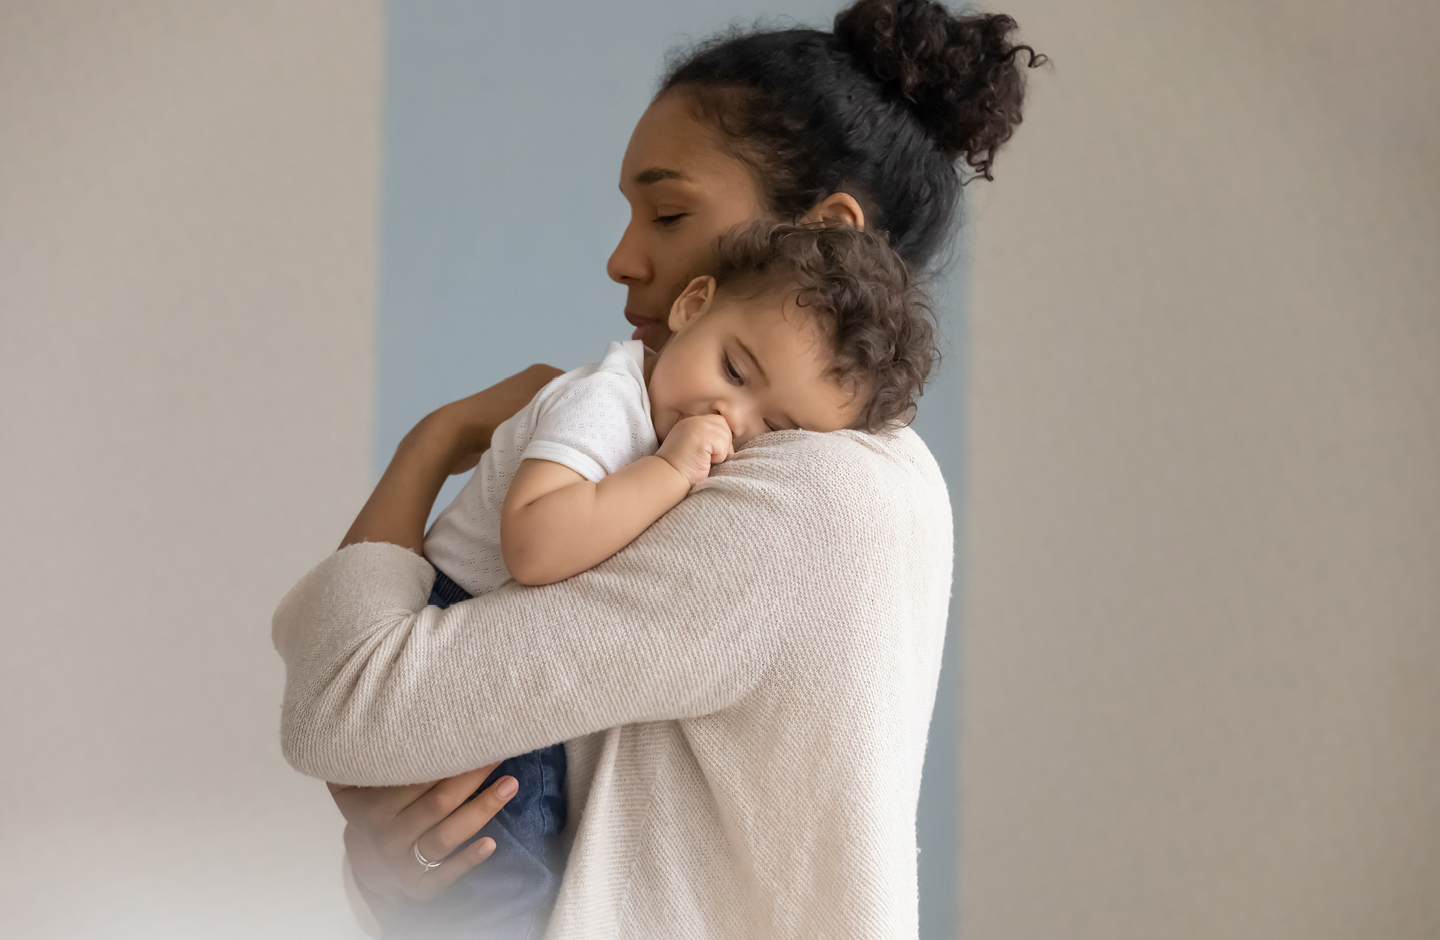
743,693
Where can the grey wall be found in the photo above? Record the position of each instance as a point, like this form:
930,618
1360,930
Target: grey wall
187,230
1203,642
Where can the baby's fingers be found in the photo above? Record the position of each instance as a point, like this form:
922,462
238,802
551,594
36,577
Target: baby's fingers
720,441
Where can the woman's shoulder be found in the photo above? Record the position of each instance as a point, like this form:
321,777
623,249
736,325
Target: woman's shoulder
840,467
832,505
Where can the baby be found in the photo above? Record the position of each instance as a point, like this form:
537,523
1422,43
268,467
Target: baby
813,328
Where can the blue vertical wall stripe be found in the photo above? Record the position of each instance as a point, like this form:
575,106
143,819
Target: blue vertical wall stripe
503,131
941,421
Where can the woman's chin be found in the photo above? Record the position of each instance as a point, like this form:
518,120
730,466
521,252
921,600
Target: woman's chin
653,334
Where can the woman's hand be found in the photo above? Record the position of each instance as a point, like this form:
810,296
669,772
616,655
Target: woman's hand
384,825
467,424
446,441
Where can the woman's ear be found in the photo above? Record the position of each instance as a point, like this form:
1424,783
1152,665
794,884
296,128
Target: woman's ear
692,302
837,207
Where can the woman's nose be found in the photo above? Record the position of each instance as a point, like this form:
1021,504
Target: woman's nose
628,263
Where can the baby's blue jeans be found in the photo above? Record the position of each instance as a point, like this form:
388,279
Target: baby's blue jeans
508,896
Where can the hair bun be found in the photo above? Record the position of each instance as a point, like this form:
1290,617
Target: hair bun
960,74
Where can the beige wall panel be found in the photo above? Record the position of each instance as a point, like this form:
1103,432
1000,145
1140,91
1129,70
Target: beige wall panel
187,242
1202,661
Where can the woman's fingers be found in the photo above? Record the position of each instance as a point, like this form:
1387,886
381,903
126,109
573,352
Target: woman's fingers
438,801
428,884
463,823
443,842
445,838
372,807
387,824
471,420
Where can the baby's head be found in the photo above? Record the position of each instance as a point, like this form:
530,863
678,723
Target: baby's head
802,326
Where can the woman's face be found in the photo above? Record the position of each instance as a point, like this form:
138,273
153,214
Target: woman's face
684,193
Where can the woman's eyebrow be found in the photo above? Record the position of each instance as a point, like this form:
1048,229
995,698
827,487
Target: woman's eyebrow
657,173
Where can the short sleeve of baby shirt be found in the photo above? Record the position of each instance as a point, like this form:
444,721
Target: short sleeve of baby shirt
600,422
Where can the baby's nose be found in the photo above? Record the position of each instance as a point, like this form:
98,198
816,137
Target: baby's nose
733,419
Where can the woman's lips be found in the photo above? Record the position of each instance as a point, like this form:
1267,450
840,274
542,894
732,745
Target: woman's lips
649,332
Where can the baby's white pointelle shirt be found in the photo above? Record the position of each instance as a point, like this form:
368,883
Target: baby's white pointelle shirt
594,420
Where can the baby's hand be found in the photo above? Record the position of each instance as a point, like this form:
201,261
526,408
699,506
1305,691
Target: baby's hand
694,444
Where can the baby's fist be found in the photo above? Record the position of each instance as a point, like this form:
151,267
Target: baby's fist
695,444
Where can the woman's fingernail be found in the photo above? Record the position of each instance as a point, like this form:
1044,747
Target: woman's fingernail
486,846
507,787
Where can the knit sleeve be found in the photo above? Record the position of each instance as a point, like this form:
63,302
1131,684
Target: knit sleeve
381,689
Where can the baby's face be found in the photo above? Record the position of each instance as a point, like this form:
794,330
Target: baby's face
759,362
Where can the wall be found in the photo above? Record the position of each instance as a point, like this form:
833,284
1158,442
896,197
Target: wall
1204,475
1202,668
187,228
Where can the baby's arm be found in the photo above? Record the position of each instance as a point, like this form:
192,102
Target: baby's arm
555,523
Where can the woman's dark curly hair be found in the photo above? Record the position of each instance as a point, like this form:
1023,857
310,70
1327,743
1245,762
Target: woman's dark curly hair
859,293
882,108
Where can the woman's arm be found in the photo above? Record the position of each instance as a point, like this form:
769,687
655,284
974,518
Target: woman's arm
382,689
446,441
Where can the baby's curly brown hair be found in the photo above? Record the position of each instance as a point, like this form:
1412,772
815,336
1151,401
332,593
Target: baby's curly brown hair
860,294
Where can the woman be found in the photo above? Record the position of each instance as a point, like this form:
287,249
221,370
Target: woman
744,692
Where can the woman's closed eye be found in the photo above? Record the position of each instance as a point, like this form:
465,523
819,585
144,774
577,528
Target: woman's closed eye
669,220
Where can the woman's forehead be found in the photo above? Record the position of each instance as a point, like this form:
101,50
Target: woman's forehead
672,145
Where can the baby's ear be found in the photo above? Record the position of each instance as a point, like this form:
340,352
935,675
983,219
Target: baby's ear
693,300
